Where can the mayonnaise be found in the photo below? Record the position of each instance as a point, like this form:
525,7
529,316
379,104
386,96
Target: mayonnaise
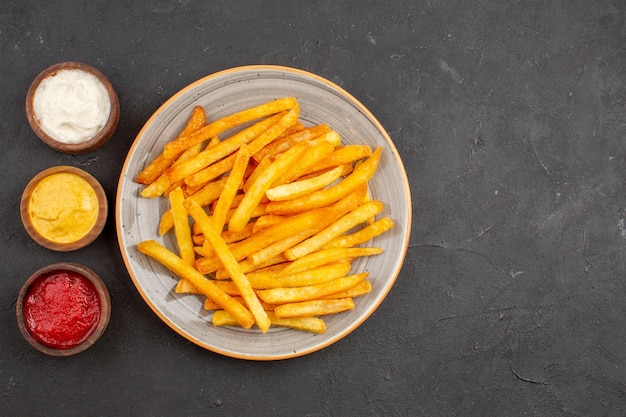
63,207
72,105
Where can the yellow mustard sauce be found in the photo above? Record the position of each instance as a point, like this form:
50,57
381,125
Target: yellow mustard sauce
63,207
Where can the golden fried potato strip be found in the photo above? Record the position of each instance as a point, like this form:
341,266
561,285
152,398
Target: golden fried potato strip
261,184
314,308
345,223
327,196
157,167
326,256
307,324
224,148
367,233
215,128
230,263
171,261
182,230
310,292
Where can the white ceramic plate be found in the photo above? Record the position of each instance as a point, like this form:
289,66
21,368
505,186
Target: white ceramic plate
220,94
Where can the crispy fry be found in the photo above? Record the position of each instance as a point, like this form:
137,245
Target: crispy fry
231,237
311,292
212,305
230,264
157,167
182,229
307,324
213,171
362,288
204,197
279,247
331,194
205,286
345,223
247,266
223,149
234,182
270,279
162,184
197,238
314,308
299,188
326,256
285,142
269,235
266,221
261,184
185,287
275,131
228,122
367,233
343,155
317,152
258,170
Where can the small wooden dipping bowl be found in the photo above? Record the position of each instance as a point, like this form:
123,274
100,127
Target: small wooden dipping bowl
94,142
56,244
97,290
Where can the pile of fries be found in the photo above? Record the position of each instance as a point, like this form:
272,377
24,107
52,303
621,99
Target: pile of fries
268,219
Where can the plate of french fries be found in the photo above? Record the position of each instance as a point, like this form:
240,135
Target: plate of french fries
263,213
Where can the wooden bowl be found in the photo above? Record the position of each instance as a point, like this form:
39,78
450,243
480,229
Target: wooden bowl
56,244
96,331
100,138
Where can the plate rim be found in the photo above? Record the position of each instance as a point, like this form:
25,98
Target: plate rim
362,108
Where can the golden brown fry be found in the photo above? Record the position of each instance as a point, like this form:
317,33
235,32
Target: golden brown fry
213,171
285,142
198,239
345,223
233,183
265,237
278,248
279,296
299,188
317,152
228,122
314,308
275,131
231,237
270,279
205,286
258,170
343,155
326,256
157,167
203,197
230,264
247,266
266,221
326,196
362,288
367,233
307,324
211,305
262,183
162,185
222,149
182,230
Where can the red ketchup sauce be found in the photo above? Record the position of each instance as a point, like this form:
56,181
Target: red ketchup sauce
61,309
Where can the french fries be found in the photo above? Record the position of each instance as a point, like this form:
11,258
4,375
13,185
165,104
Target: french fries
267,221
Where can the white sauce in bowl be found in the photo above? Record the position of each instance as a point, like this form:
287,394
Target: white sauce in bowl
71,106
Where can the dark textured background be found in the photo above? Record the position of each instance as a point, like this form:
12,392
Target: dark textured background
510,118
